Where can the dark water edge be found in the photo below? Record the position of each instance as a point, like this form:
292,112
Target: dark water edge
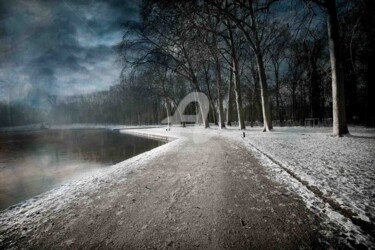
33,162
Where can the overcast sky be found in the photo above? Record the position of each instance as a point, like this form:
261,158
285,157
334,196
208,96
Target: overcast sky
61,47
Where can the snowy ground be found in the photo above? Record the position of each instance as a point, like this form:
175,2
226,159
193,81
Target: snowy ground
29,215
339,171
334,176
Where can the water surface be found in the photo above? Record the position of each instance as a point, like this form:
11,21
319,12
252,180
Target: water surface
34,162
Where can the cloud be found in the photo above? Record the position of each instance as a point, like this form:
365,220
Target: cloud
61,47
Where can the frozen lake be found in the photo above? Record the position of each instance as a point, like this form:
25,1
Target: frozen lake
34,162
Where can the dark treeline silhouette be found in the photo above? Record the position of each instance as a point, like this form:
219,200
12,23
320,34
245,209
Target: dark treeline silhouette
263,62
258,61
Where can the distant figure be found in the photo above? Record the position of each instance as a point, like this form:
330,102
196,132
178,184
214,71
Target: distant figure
243,134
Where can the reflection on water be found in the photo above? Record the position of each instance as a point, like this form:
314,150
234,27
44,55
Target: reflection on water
34,162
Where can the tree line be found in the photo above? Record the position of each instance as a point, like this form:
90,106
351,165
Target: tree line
260,62
281,61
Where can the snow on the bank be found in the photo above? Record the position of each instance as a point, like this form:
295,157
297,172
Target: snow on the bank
22,218
343,169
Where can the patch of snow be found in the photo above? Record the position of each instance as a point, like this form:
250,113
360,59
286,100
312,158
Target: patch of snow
343,169
38,210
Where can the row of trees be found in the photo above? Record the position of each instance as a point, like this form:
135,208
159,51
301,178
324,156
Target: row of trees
259,62
128,104
249,56
19,114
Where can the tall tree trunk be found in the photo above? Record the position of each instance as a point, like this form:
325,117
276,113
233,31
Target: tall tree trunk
230,99
267,122
169,110
338,94
215,52
252,118
294,102
219,97
204,118
168,105
277,82
256,46
237,91
369,20
236,80
213,110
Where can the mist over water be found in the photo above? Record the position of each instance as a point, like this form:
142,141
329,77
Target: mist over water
34,162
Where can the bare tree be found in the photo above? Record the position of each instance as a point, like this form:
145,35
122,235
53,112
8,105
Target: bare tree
173,36
246,19
340,126
235,68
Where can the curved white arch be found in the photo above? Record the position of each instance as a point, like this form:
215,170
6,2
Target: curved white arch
179,117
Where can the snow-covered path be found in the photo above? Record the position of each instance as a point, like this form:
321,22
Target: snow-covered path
208,182
341,171
199,191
